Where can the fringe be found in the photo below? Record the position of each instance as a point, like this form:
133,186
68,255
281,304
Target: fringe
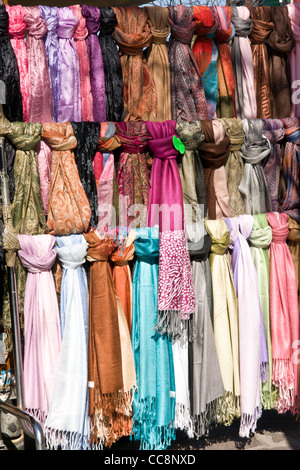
228,408
171,323
269,398
66,440
183,419
38,414
203,422
264,367
283,379
248,423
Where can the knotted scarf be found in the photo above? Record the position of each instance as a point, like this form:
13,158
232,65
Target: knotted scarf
52,48
294,15
69,209
132,34
41,324
112,66
281,43
158,60
261,28
294,246
80,35
291,172
9,73
63,427
205,53
187,93
284,312
241,57
40,93
44,155
16,31
92,17
225,308
253,186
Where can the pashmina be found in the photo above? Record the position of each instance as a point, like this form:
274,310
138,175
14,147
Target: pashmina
92,17
44,154
16,31
241,57
205,53
293,58
80,35
293,242
69,209
112,66
226,83
187,93
176,295
253,186
69,107
40,93
41,324
234,166
132,34
206,384
52,48
261,29
281,43
154,399
158,60
111,373
284,312
9,73
63,427
225,311
291,172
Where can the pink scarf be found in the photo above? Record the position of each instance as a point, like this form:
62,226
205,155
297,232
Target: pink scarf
44,153
294,57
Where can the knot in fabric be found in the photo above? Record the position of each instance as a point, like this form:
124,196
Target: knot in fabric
199,241
279,225
159,36
219,234
133,44
25,136
4,21
261,237
67,23
122,257
235,131
72,256
92,16
108,21
36,25
190,134
273,130
4,125
280,234
163,148
256,146
281,38
182,24
37,264
292,135
181,34
81,32
17,25
260,31
205,23
233,227
60,136
50,15
243,27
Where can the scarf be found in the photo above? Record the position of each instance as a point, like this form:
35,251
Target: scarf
294,247
187,92
80,34
63,427
206,384
284,312
291,171
241,57
293,57
158,60
226,83
132,34
52,49
42,330
44,165
92,17
176,296
40,93
9,73
261,28
16,31
225,320
234,166
281,43
205,53
112,66
253,186
69,209
154,399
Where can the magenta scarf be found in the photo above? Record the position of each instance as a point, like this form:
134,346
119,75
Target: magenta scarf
176,295
41,323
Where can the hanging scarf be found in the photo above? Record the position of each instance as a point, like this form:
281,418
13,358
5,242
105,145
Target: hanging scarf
187,92
294,247
284,312
40,93
158,60
253,186
87,135
42,330
80,35
16,31
274,132
44,154
92,17
132,34
226,84
225,321
205,53
112,66
261,28
206,384
52,48
294,15
241,57
291,172
280,43
176,296
9,74
63,427
69,209
235,165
